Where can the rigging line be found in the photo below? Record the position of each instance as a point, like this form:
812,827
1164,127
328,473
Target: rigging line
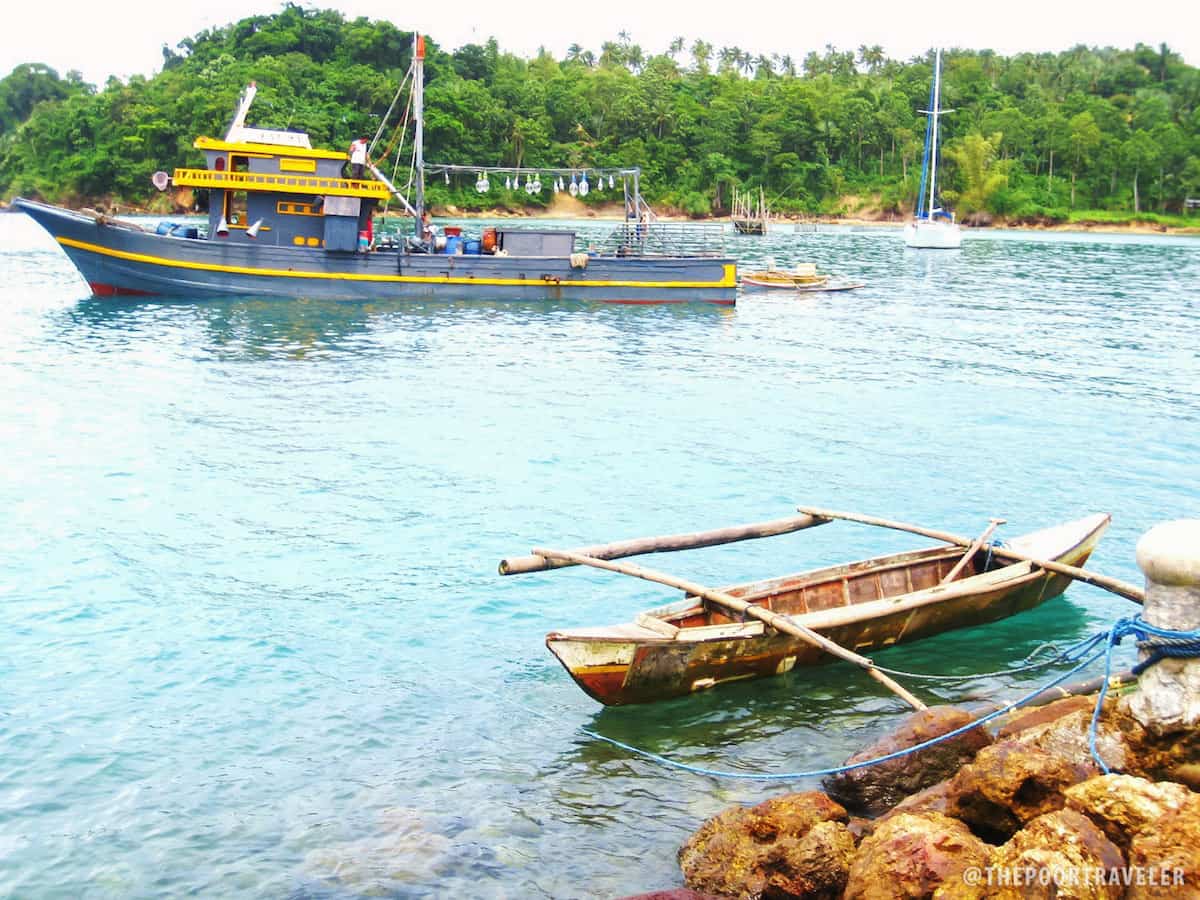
386,116
402,131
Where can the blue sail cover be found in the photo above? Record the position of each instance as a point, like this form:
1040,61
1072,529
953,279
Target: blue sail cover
922,212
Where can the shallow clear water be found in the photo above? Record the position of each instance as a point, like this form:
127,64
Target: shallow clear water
254,640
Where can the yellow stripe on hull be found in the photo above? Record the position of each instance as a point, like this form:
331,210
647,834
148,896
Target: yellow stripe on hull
729,278
598,670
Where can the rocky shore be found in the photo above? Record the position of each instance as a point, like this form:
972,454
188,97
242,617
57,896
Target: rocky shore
1022,810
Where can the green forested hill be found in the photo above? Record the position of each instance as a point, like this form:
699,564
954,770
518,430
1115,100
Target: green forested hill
1033,135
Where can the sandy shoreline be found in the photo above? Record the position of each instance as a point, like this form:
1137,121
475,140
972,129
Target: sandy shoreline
565,207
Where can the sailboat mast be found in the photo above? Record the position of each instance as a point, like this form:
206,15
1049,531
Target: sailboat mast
937,95
419,138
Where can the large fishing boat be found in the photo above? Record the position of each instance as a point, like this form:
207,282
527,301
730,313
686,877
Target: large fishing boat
285,220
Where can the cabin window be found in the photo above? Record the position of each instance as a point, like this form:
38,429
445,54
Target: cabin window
297,165
235,209
300,206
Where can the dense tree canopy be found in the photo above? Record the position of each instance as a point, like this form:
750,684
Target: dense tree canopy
1032,134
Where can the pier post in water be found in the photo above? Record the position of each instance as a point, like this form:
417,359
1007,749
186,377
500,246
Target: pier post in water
1168,695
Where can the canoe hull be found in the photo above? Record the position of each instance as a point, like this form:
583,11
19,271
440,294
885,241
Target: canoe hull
647,669
118,261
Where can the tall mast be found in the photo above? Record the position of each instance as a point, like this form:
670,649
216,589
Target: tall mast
937,92
419,139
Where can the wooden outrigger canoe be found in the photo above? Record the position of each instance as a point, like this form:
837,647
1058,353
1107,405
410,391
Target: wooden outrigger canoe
804,276
696,643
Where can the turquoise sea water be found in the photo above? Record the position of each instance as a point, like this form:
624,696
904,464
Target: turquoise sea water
254,643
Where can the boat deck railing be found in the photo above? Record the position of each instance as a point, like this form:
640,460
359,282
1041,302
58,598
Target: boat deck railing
286,184
664,239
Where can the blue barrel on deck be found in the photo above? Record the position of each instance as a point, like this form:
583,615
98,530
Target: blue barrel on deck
452,243
473,246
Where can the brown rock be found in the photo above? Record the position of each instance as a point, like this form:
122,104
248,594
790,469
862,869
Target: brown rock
1068,738
1043,715
876,789
1058,855
1187,774
672,894
1156,757
911,856
1167,854
797,845
1124,805
933,799
815,866
1007,785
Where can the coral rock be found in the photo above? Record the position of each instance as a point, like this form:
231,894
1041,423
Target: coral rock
1043,715
1007,785
1058,855
912,856
1124,805
1167,856
792,846
875,789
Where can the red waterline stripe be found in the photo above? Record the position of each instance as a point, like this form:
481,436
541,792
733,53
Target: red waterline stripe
100,289
666,302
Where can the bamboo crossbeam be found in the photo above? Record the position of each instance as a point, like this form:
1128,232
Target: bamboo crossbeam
1115,585
517,565
766,616
972,550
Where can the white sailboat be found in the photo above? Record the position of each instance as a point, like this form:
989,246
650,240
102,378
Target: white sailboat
932,227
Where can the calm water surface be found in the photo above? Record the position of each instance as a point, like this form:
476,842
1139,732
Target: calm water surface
254,643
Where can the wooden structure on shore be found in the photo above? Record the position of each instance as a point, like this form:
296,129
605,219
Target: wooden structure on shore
750,213
769,627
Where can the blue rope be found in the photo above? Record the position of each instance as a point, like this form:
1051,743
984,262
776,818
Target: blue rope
837,770
1165,643
1071,654
987,563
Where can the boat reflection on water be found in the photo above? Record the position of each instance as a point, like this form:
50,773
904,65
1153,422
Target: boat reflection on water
272,328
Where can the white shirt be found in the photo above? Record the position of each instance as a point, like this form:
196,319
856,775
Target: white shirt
358,153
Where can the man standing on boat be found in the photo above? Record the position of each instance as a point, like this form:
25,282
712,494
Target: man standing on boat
358,157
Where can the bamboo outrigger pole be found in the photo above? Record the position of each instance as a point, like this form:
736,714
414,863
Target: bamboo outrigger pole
1115,585
993,524
767,617
518,565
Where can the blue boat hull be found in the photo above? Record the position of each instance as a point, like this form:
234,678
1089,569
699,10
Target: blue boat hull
119,260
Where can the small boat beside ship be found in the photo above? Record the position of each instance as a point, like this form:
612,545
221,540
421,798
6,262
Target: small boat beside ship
710,637
285,220
803,278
